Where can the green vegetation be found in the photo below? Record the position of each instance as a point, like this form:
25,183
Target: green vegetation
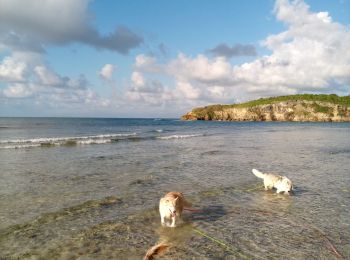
333,98
209,111
322,109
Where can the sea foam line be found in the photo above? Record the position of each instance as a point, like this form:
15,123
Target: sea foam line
20,146
178,136
62,139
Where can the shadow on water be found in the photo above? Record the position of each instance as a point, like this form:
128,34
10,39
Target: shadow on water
208,213
301,191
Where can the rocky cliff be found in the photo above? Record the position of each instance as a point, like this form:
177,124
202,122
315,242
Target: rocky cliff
303,108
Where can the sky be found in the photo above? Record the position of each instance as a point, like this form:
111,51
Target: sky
81,58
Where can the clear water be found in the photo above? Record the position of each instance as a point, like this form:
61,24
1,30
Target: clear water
89,188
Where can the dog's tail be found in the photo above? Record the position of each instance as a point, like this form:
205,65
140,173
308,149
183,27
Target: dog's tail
156,250
258,174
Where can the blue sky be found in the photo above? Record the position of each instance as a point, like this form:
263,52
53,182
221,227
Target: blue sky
162,58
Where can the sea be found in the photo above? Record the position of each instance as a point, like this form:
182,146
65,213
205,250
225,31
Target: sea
89,188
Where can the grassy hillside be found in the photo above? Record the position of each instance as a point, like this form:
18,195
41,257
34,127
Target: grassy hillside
335,99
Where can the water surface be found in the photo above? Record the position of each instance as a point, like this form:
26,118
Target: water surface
89,188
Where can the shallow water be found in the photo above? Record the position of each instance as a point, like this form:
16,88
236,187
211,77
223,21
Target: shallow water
89,188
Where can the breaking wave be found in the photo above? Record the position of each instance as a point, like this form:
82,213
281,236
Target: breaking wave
178,136
63,141
87,140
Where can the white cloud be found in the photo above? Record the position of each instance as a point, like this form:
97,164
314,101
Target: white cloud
137,79
12,69
147,63
187,90
26,29
47,77
28,77
311,55
107,71
17,90
201,68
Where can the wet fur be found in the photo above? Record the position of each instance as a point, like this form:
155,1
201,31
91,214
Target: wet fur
156,250
271,180
171,207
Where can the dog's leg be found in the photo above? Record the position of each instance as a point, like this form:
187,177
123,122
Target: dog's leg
162,220
173,222
266,185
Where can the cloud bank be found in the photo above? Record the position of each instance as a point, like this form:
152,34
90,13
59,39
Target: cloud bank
25,32
311,55
29,27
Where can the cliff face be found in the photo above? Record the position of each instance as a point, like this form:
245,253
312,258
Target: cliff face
298,110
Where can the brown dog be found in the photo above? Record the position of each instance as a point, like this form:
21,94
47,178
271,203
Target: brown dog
171,207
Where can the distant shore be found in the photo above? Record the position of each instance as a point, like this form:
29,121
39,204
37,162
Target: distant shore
297,108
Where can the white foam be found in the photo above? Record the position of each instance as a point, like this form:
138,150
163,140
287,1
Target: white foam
58,141
178,136
63,139
19,146
94,141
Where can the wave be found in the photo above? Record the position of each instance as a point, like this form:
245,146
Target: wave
47,142
58,139
178,136
160,130
63,141
20,146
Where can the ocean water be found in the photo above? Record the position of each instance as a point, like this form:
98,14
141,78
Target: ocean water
89,188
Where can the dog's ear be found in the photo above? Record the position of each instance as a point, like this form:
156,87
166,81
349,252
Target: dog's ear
176,198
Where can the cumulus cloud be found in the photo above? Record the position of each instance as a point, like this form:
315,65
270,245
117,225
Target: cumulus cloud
58,22
236,50
48,77
137,79
195,80
12,69
151,92
107,71
25,30
29,78
310,55
201,68
18,90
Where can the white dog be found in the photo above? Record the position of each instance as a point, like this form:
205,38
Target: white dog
281,183
171,207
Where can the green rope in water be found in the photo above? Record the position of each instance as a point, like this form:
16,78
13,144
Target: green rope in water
218,241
